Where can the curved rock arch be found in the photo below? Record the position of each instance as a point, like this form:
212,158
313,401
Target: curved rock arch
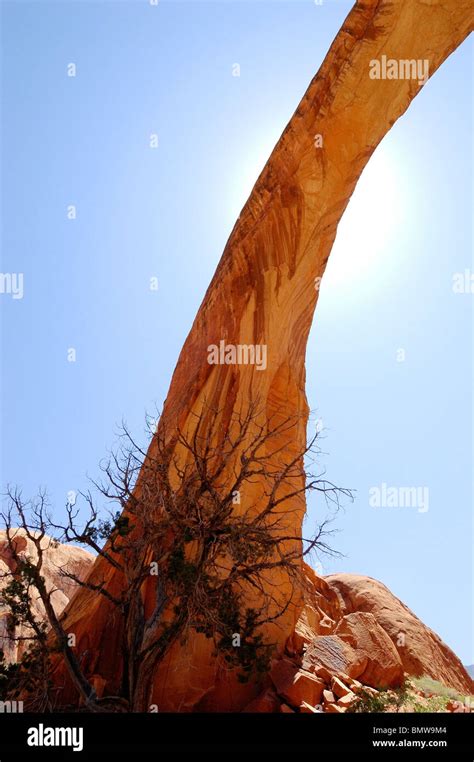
263,289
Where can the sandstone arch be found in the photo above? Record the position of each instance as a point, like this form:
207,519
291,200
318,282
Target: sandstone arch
263,289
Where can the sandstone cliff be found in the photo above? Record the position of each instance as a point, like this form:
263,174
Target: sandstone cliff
263,294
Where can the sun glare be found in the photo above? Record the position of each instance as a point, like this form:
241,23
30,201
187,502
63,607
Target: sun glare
249,169
367,226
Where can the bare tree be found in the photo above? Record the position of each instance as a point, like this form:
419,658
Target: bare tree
26,584
203,526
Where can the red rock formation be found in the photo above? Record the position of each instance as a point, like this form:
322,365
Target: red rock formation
421,651
263,291
358,648
55,557
383,666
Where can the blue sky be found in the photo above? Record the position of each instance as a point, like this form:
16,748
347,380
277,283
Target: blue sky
167,213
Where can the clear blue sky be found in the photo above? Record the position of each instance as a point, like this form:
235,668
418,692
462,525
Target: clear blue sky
167,212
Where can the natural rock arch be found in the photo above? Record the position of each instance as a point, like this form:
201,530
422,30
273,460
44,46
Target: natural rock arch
263,291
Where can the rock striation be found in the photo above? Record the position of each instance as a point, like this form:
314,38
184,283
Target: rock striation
421,651
361,642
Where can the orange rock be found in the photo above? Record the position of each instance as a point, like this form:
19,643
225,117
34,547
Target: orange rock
283,673
294,685
347,700
323,673
267,702
370,691
334,709
383,666
338,688
343,677
320,612
303,687
421,651
335,655
308,709
326,625
328,697
285,709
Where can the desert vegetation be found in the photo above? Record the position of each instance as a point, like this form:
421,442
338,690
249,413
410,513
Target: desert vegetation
180,530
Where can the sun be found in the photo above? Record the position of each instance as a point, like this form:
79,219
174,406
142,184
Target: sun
367,226
366,229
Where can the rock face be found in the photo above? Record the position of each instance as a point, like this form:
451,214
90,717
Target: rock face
421,651
369,634
55,557
383,666
263,294
357,650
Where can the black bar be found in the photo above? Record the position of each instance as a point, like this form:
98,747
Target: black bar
105,735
